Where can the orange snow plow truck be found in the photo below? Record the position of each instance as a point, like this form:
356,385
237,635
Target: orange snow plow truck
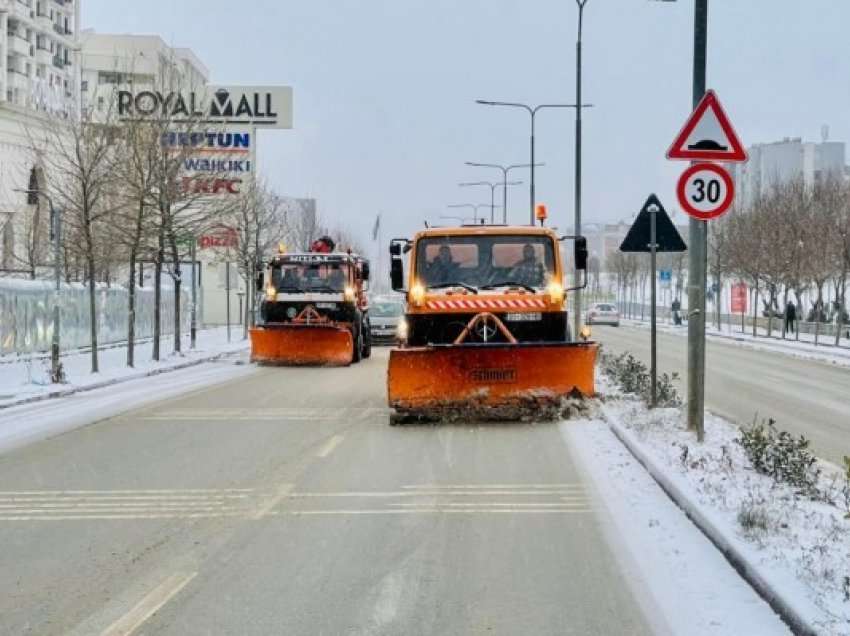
314,310
486,330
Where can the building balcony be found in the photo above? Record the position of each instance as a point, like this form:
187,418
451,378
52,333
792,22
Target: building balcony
43,56
20,46
16,79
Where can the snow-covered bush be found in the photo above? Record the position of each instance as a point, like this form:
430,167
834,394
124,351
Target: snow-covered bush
781,456
632,376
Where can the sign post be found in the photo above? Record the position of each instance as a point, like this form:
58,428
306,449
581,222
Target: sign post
653,231
705,192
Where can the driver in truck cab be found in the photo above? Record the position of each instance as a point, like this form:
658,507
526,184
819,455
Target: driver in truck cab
529,270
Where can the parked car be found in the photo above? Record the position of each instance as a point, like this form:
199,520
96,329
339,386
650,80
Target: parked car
603,314
385,315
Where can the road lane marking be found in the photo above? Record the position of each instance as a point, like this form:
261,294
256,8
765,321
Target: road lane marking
329,447
149,605
493,486
440,493
412,511
468,504
274,501
180,491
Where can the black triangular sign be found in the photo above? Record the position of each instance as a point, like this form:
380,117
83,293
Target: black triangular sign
667,236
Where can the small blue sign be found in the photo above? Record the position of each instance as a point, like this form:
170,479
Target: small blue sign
665,275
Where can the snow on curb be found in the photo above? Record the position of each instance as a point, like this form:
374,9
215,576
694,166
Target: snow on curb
797,562
117,380
804,350
787,609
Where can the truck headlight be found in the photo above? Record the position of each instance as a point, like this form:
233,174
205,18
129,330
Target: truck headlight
348,293
417,294
555,291
584,333
401,329
271,293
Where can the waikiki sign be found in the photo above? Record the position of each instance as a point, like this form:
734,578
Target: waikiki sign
261,106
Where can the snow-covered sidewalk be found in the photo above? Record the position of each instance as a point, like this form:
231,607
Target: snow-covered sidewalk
792,542
804,348
28,379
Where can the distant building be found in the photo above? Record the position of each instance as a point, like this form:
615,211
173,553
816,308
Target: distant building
39,81
111,61
782,161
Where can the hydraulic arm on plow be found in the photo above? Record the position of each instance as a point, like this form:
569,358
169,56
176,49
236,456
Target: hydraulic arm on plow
486,333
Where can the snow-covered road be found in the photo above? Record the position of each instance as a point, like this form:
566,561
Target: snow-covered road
804,396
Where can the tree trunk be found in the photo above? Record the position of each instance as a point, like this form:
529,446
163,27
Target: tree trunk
841,294
131,310
93,317
177,287
784,313
157,300
756,310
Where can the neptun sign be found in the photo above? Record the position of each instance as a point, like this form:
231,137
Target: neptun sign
261,106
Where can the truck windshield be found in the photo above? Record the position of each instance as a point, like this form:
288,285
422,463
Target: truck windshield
485,261
307,277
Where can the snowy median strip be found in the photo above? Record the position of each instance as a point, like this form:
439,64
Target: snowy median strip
780,516
803,349
24,383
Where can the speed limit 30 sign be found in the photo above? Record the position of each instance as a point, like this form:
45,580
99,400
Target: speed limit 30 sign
705,191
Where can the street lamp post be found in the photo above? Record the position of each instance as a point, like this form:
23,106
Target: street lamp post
532,111
581,4
474,207
493,187
505,170
56,230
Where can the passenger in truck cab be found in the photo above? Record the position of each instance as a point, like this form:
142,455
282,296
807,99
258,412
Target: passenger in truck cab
443,268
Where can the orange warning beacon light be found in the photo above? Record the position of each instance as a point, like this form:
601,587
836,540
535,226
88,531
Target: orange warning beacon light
540,212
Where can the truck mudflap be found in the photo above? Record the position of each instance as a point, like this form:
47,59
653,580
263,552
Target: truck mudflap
489,380
302,345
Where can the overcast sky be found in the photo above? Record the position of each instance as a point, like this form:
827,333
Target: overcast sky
384,91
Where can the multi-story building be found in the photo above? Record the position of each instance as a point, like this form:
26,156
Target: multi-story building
782,161
39,81
111,61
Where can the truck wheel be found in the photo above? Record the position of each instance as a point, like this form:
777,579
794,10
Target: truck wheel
357,355
366,329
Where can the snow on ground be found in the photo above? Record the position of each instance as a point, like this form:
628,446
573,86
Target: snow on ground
27,377
28,423
799,547
682,581
805,348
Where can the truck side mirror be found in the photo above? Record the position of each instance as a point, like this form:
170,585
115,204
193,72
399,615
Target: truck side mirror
364,268
260,281
397,274
395,249
581,252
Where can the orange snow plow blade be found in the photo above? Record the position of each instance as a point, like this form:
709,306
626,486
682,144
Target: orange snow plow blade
302,345
490,381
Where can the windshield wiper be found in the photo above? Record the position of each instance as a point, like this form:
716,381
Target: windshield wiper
324,288
467,287
289,288
510,283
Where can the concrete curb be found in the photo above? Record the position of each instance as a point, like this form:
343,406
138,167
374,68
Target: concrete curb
798,623
127,378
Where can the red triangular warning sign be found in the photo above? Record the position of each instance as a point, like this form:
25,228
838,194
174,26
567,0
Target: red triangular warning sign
708,135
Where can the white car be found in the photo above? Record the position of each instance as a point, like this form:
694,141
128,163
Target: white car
603,314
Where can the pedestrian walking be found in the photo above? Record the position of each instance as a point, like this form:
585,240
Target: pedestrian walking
676,308
790,317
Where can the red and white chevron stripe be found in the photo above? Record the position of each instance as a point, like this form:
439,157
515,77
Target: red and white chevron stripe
490,304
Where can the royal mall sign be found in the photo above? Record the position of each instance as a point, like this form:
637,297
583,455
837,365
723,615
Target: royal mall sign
260,106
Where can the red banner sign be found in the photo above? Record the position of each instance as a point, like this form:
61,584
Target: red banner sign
221,236
739,298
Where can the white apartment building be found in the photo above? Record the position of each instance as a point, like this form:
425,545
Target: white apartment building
782,161
111,61
39,80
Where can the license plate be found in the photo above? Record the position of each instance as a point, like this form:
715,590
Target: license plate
528,316
325,305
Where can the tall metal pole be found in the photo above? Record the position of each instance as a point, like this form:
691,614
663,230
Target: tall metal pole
57,274
698,253
531,189
653,249
193,328
578,107
493,203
